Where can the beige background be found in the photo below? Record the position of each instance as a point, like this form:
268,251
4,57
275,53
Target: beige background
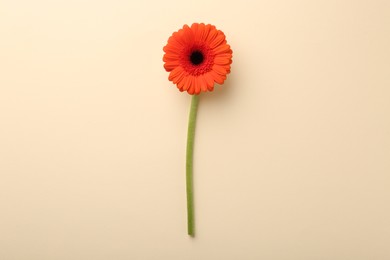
292,153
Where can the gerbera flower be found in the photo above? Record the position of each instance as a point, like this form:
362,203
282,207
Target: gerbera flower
197,57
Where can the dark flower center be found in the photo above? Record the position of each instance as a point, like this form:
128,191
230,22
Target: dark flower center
196,57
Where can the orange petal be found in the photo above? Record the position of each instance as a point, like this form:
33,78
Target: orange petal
228,70
224,55
178,77
170,57
173,48
217,78
197,83
194,28
187,35
213,33
219,69
218,40
203,85
180,84
191,89
222,61
184,82
187,83
176,38
174,73
221,49
209,79
202,33
171,65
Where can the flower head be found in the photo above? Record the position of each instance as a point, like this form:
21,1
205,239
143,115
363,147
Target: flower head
197,57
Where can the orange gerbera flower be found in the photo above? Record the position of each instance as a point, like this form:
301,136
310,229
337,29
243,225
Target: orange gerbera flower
197,57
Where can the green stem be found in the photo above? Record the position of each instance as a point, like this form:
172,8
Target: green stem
189,163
